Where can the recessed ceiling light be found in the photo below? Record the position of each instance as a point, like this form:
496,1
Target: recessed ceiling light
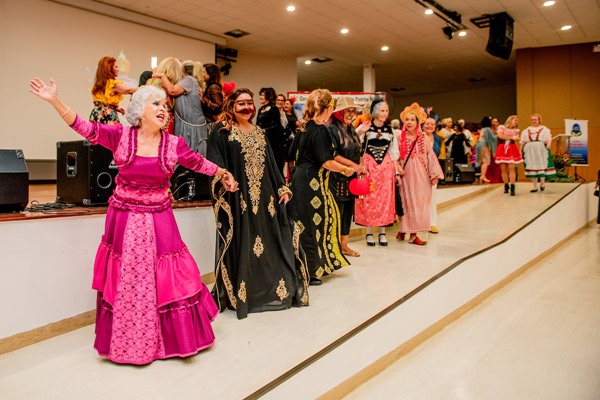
385,48
549,3
566,28
307,62
291,8
428,11
344,30
462,33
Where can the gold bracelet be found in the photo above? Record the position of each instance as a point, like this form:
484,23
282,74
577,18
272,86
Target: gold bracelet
66,112
345,170
225,172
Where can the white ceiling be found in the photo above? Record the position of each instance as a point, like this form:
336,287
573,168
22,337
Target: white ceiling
420,59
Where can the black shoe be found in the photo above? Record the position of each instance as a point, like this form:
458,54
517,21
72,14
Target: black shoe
315,282
505,188
535,190
372,241
542,188
512,189
382,243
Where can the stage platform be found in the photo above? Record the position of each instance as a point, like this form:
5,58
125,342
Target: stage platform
362,317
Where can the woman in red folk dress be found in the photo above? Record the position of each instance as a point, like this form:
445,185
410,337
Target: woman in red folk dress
508,154
151,302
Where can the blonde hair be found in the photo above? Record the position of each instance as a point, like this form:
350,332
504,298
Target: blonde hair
538,116
317,102
171,67
198,73
509,120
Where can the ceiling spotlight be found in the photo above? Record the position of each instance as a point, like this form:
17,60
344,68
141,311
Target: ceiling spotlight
307,62
462,33
428,11
549,3
448,32
344,30
291,8
385,48
566,28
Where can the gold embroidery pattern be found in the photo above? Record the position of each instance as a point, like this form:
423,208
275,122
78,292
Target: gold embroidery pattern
314,184
316,202
333,258
282,291
254,146
243,204
283,190
258,247
223,243
317,219
318,235
272,206
298,228
242,291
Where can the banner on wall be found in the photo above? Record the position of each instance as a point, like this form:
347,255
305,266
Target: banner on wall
357,97
578,142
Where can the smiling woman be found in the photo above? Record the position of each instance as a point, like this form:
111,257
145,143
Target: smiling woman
151,302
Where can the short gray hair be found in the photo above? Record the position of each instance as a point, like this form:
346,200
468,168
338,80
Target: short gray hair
135,109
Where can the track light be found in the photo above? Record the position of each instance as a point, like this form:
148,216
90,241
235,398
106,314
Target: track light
448,32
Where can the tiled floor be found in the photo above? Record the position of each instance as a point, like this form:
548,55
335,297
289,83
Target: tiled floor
250,353
537,338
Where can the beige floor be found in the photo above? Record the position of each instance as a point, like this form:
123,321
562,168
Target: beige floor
537,338
250,353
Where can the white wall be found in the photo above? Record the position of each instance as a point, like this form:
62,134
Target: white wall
46,265
254,71
471,105
45,39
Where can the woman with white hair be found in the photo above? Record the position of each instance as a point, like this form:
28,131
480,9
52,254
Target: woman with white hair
151,302
378,208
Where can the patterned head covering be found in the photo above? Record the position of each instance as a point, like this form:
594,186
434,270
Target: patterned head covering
415,109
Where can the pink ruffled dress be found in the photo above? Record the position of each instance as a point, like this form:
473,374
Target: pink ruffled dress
151,302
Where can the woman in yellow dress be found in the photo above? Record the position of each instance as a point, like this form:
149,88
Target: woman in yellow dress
108,92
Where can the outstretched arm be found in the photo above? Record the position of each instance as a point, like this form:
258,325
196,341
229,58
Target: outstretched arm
49,93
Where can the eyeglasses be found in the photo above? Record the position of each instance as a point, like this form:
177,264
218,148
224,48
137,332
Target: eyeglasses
279,101
245,103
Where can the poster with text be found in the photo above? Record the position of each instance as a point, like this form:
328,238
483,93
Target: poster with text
578,143
357,97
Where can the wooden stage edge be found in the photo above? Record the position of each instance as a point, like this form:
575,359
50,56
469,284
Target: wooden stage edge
44,193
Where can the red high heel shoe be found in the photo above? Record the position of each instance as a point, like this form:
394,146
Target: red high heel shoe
400,235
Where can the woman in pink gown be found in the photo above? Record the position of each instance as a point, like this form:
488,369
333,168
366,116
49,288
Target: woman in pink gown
151,302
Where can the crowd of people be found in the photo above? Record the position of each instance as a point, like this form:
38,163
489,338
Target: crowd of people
282,194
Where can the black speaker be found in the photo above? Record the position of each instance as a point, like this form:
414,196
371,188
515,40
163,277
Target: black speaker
448,169
85,173
187,185
464,173
500,41
14,181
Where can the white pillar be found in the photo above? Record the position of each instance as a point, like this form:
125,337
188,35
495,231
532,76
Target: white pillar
368,78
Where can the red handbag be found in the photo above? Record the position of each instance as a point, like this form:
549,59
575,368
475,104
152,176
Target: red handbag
361,186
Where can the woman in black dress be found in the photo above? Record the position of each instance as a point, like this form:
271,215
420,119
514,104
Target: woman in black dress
269,119
313,204
259,263
212,96
347,149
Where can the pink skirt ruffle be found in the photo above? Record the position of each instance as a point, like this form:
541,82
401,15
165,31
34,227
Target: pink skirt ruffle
185,326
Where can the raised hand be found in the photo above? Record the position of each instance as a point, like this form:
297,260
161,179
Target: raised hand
43,91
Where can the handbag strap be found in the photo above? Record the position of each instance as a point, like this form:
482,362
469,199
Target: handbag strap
410,152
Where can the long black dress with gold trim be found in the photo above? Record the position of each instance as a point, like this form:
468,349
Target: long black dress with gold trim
313,204
260,265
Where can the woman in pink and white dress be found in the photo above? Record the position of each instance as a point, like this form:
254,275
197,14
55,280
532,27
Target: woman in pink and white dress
151,302
508,154
419,170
